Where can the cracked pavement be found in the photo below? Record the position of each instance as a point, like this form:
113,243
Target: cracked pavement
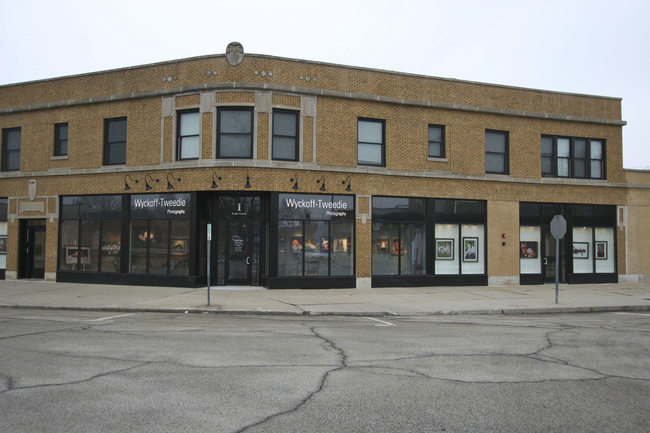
82,371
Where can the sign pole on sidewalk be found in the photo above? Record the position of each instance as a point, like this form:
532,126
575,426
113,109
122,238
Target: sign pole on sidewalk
208,270
558,230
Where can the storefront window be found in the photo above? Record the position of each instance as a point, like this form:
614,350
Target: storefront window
315,235
158,246
316,248
342,263
290,248
86,223
604,250
160,234
179,247
385,256
138,241
111,246
446,260
89,245
582,244
399,249
593,250
530,261
473,240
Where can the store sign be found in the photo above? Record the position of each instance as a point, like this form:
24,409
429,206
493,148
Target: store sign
160,206
316,206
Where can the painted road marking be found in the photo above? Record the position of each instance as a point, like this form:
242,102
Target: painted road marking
109,318
383,323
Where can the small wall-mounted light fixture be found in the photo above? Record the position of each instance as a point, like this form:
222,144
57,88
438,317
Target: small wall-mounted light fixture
347,180
321,180
169,184
127,187
146,182
294,179
215,178
248,181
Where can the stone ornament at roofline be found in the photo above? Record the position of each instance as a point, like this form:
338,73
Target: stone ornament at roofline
234,53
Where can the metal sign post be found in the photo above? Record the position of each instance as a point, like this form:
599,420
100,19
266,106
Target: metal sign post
558,230
208,270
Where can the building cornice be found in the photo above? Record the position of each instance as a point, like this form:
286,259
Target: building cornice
270,87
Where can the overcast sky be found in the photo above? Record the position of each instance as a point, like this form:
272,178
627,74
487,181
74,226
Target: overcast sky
594,47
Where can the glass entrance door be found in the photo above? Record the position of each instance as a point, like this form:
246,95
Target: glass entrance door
32,249
549,258
242,253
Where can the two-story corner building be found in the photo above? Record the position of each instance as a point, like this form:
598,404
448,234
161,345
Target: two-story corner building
286,173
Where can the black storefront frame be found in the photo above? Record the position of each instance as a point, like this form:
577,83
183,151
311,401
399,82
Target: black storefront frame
273,281
576,215
437,211
4,208
124,277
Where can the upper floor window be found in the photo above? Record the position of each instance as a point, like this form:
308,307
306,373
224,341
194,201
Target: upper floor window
370,142
285,135
115,141
60,139
496,152
235,132
581,158
436,141
11,149
188,137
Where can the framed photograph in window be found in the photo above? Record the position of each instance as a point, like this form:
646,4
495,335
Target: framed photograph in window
444,249
382,245
178,246
470,249
341,245
397,247
528,249
601,250
580,250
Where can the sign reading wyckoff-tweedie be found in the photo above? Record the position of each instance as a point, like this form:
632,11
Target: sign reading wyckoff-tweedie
316,206
160,206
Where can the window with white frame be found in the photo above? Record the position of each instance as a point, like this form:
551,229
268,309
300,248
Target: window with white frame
188,135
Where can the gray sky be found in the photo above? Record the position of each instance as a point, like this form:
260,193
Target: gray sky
594,47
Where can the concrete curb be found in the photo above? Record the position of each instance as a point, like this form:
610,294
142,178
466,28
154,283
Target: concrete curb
216,311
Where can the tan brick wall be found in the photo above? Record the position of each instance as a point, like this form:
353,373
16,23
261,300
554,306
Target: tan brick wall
503,218
361,93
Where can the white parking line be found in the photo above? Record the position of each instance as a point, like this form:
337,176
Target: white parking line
109,318
383,323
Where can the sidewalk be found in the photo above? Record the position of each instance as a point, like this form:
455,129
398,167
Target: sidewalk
370,302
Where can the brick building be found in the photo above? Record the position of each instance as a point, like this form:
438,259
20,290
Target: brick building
306,174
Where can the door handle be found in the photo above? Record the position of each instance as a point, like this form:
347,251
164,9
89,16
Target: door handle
546,260
248,260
